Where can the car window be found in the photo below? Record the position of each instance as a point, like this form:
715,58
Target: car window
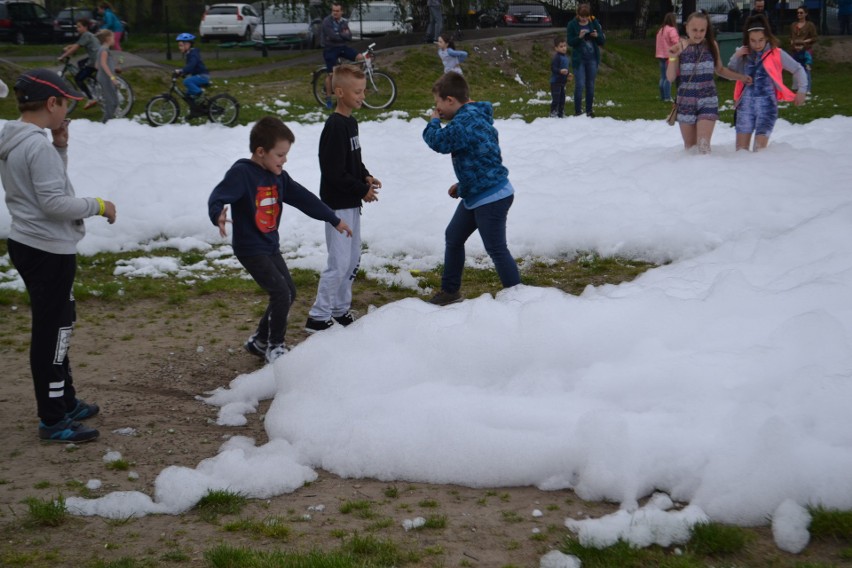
378,13
22,11
528,9
40,12
222,10
247,11
285,14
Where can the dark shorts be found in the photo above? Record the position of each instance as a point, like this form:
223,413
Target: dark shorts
331,55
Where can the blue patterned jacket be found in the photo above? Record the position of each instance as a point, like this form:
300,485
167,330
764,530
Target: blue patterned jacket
472,140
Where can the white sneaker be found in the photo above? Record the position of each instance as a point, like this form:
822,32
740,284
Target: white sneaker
273,352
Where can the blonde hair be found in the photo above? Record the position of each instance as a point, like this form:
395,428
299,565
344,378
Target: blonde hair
103,36
343,74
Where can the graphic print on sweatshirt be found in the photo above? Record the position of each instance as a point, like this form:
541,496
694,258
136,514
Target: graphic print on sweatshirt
267,208
355,143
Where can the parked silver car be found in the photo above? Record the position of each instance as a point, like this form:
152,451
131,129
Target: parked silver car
378,18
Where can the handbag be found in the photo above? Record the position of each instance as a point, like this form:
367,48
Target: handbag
672,117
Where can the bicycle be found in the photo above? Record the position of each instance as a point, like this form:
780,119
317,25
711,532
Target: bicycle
165,109
381,88
126,98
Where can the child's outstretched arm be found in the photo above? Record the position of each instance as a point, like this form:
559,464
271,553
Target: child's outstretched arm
223,221
297,196
443,139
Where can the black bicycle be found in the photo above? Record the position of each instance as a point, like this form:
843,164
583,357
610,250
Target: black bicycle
126,97
381,88
165,109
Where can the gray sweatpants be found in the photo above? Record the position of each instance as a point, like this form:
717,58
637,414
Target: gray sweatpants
334,292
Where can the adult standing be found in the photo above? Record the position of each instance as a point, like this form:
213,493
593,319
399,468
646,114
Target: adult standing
803,35
111,23
334,36
436,20
585,36
667,37
844,15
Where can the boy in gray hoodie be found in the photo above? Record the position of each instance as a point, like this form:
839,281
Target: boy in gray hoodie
47,223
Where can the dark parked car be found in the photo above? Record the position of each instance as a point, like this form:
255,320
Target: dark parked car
527,15
25,22
65,22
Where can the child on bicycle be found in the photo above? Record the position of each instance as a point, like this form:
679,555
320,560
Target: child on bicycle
344,184
196,75
85,66
106,74
257,188
483,183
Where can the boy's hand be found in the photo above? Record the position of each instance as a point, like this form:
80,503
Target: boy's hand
60,135
800,98
435,113
454,191
563,71
342,227
109,211
373,193
222,221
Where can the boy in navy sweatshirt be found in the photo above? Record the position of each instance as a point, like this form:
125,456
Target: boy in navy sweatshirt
483,183
256,188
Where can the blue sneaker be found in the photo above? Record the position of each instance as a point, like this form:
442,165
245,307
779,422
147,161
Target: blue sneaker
67,431
83,410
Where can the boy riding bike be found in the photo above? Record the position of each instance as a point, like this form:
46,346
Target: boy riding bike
196,75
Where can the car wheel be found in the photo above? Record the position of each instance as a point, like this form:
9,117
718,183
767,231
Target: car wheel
247,34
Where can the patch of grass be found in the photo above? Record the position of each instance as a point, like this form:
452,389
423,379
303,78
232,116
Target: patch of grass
435,522
831,524
118,465
715,539
429,503
378,552
391,492
41,485
220,502
270,527
361,509
45,512
623,555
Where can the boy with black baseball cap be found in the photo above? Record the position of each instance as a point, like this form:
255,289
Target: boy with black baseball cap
47,223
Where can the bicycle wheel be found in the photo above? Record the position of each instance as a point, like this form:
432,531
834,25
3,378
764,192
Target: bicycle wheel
161,110
125,98
224,109
319,85
381,90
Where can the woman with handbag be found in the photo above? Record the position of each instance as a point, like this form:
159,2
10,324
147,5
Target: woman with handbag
697,59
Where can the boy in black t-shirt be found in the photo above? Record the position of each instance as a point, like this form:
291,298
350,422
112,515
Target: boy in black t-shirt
344,184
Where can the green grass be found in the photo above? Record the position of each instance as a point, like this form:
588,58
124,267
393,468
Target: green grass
831,524
220,502
45,512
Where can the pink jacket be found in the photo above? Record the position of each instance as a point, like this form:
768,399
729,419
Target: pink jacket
666,38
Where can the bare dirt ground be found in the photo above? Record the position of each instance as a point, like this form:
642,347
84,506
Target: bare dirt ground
145,362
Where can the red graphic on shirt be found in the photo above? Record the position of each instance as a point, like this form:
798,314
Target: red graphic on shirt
267,208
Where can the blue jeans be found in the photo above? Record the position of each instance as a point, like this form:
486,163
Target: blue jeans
490,220
584,81
665,84
193,84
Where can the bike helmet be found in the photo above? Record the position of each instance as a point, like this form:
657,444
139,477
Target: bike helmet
185,37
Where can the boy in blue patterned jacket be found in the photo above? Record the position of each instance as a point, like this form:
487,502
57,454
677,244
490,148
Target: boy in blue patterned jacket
483,183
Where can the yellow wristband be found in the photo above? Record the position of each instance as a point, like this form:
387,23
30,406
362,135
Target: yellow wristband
672,58
101,206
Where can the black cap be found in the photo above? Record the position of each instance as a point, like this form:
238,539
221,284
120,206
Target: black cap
41,84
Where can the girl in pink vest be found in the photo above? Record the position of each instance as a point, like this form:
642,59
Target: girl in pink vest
757,104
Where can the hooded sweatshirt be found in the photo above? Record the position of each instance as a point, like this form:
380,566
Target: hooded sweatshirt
473,142
46,215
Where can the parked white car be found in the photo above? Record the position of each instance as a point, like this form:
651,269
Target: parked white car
378,18
228,21
289,24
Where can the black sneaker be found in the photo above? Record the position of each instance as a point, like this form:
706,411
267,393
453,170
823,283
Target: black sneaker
83,410
67,431
315,325
255,347
345,319
444,298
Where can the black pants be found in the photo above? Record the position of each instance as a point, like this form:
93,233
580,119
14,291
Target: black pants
85,71
557,99
271,274
49,279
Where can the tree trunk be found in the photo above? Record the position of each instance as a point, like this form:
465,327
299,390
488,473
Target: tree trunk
640,24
